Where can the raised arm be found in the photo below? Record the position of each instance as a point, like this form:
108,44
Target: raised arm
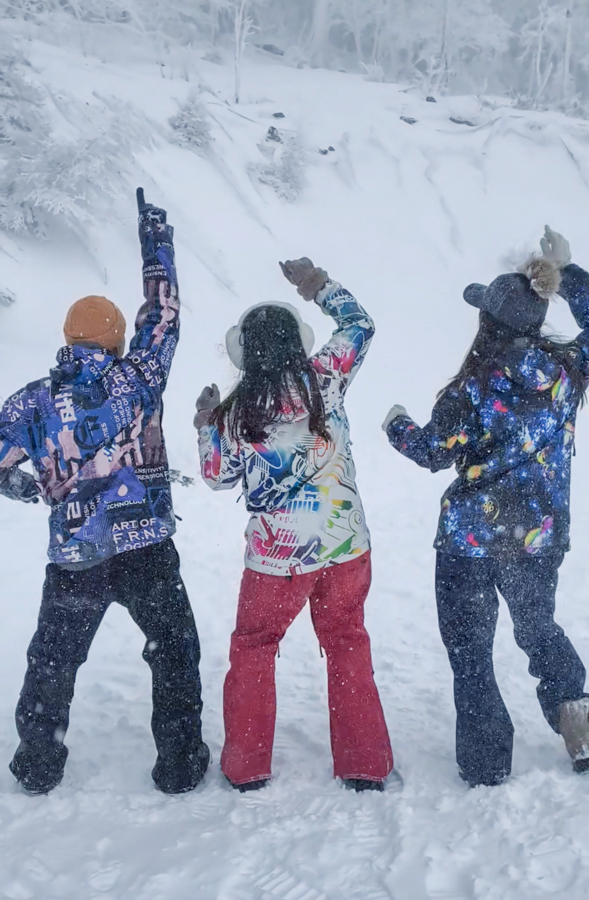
574,288
344,353
157,325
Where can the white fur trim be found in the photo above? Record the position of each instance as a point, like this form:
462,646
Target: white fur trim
233,336
544,276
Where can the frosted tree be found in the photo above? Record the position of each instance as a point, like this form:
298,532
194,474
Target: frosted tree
319,36
244,27
23,130
532,50
283,168
44,178
191,125
543,41
566,69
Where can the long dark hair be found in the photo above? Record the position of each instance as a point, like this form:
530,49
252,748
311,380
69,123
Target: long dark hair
276,375
494,339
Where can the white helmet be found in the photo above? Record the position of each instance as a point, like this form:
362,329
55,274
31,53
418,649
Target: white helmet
233,336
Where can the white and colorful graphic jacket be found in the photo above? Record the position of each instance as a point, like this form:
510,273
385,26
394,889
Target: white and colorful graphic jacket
306,513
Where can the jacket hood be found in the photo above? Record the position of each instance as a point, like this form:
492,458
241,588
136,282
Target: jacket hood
81,366
527,366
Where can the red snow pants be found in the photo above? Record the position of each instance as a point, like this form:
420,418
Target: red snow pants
268,604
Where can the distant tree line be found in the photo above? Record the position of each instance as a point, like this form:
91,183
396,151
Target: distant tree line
534,51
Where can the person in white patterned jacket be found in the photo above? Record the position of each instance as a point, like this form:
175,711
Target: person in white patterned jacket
283,434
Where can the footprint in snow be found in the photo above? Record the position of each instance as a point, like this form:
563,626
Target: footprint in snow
282,884
105,879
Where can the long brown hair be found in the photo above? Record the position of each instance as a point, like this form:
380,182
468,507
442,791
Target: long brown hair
276,374
494,339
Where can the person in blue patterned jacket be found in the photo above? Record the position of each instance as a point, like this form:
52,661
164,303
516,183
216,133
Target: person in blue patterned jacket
507,423
92,430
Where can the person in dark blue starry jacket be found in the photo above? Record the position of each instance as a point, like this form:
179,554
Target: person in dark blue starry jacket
93,432
507,423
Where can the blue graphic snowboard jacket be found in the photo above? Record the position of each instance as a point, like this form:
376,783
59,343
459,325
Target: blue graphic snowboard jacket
511,439
92,429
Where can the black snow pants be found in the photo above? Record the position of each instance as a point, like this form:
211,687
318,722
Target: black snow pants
466,592
148,583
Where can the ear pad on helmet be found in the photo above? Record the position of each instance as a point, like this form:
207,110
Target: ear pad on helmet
307,337
234,348
233,336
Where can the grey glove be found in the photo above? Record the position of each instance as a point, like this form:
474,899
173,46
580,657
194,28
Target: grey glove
555,248
307,278
208,400
394,413
18,485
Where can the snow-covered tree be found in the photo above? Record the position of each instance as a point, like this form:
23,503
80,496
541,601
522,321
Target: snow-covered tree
532,50
43,177
190,125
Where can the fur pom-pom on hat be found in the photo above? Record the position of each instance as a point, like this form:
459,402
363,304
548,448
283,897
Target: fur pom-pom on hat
544,276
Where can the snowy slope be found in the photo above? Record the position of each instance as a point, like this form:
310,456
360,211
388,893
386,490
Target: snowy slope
405,216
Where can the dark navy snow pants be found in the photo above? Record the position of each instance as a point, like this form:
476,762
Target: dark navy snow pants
466,592
148,583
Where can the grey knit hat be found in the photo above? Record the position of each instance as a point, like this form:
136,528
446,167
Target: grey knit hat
519,299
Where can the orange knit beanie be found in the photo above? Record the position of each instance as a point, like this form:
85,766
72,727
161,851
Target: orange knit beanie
95,320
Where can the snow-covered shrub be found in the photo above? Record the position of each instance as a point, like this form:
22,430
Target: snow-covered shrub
373,72
297,57
43,177
72,182
24,127
20,102
190,126
283,168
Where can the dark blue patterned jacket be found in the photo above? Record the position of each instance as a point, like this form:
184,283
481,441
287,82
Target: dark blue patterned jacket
511,439
92,430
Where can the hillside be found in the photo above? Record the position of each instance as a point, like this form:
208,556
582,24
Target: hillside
405,215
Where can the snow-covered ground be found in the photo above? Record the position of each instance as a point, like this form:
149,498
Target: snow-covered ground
405,215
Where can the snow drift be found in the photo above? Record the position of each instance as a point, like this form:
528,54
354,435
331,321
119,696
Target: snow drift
405,202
